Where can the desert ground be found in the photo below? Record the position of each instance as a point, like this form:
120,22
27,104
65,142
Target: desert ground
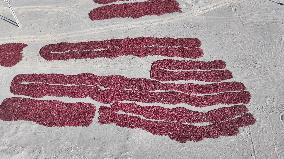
247,35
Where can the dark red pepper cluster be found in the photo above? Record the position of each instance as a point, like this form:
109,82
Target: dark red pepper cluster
179,131
173,70
133,10
140,46
47,112
179,114
122,93
101,90
11,54
107,1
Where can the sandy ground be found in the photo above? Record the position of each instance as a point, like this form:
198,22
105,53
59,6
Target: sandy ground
248,35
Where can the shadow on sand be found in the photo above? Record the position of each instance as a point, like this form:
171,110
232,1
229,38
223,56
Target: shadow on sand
8,20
